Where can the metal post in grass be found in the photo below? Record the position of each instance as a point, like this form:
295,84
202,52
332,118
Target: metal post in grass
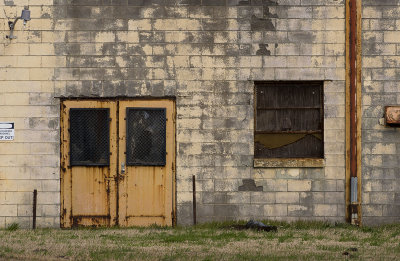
34,209
194,200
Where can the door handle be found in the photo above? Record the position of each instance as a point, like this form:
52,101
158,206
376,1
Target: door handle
122,168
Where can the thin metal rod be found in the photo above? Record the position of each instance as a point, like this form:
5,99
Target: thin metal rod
34,209
194,200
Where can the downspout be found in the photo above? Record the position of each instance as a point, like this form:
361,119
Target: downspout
353,123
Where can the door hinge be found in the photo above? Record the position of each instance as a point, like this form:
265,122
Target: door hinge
173,167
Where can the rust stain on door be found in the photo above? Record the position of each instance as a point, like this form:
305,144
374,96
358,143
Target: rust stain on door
146,193
88,192
114,193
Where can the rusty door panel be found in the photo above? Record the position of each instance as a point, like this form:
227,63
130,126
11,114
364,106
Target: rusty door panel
89,191
89,195
146,193
147,185
102,195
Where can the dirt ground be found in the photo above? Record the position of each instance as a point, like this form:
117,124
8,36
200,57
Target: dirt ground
297,241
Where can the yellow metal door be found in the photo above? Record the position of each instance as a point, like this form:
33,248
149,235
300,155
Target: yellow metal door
88,174
146,162
107,178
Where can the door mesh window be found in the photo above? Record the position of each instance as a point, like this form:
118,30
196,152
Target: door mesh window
146,135
89,137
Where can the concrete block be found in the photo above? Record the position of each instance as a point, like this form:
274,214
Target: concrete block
26,211
50,210
287,197
23,222
48,198
371,12
204,211
262,197
46,222
299,185
334,197
391,210
335,172
289,173
381,197
14,197
299,210
226,210
372,210
9,210
273,184
184,214
239,197
311,198
276,210
325,210
324,185
372,185
263,173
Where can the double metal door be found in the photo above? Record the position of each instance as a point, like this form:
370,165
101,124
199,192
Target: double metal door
117,162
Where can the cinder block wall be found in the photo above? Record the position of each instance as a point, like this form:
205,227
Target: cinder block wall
31,161
381,145
205,53
277,40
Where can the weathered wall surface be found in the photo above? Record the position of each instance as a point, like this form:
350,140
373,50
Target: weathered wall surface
31,161
381,145
206,54
280,40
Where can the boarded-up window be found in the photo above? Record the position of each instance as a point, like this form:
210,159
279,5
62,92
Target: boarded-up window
289,120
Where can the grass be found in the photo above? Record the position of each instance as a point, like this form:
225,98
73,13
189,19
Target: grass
12,227
212,241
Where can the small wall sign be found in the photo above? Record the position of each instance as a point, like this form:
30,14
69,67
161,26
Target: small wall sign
7,131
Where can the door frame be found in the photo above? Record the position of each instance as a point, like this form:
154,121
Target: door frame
66,219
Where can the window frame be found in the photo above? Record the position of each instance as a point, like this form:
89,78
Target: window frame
289,161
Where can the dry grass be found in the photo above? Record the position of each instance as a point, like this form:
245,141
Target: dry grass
298,241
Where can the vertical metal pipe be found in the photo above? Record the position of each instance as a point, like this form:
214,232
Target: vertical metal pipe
353,89
194,200
354,185
353,111
34,209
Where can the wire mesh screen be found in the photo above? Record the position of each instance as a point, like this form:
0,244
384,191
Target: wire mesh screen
146,136
89,137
